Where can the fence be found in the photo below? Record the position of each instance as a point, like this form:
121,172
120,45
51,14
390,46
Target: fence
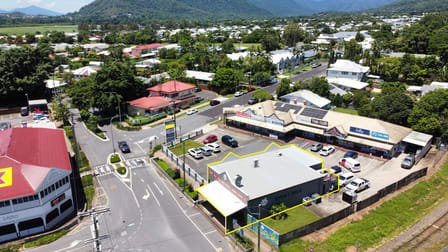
178,161
268,233
351,209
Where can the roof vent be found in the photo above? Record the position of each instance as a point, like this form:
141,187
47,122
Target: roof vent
255,163
238,179
279,154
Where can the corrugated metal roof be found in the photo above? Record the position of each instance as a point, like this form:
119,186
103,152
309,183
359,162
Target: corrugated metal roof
31,153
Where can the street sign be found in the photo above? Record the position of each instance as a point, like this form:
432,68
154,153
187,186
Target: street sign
170,131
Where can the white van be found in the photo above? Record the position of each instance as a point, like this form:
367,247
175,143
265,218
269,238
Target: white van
351,164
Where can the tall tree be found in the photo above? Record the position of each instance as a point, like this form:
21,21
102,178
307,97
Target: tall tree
293,33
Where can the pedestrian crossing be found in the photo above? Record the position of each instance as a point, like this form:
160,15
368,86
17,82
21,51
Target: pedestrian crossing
106,169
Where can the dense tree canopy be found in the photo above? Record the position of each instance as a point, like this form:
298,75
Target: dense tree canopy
225,80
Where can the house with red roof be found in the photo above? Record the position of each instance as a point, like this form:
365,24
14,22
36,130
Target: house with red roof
163,97
35,181
138,50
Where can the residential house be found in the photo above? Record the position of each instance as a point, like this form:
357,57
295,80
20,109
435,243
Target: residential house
142,49
307,98
203,78
285,59
433,86
348,69
84,72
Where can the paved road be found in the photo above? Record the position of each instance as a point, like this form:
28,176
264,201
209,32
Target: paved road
148,216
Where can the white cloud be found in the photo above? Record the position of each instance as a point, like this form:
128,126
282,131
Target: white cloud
50,4
28,2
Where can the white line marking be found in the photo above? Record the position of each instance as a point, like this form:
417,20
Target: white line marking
158,188
158,203
183,211
210,232
143,181
146,196
191,215
132,224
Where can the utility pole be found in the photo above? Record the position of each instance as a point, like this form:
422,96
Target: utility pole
76,161
112,132
183,163
259,226
96,238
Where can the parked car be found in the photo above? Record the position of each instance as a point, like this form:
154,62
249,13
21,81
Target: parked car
192,111
214,102
408,162
210,139
238,93
198,99
316,147
346,178
250,89
252,100
351,154
196,89
206,151
316,65
24,111
214,146
228,140
124,147
351,164
327,150
357,185
195,152
335,169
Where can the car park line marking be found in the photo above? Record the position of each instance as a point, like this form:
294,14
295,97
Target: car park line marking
158,188
210,232
247,155
191,215
184,212
158,203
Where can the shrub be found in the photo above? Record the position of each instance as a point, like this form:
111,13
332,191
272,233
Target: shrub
89,192
277,208
146,121
155,149
193,194
170,172
163,165
245,242
121,170
127,128
115,158
87,180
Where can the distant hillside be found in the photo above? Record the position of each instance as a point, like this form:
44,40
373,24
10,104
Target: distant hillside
283,7
342,5
412,6
3,11
34,10
170,9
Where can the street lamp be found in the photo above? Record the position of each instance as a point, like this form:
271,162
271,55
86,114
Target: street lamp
112,132
119,109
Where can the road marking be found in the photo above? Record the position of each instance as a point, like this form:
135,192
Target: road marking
158,188
183,211
132,224
210,232
73,244
435,226
191,215
142,180
146,196
158,203
113,187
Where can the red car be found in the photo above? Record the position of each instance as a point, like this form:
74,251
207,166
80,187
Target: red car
210,139
250,89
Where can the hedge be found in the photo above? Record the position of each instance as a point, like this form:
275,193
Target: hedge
46,239
146,121
188,188
155,149
245,242
87,180
115,158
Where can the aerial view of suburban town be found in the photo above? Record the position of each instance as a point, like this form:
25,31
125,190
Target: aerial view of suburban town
224,125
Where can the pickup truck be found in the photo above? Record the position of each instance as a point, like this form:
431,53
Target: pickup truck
358,185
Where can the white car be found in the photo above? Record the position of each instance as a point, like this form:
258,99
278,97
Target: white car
346,178
195,152
358,185
352,164
327,150
214,146
192,111
206,151
238,93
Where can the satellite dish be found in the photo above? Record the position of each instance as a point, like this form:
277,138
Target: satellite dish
264,202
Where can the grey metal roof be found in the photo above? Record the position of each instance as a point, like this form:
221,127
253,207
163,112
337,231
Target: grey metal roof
274,172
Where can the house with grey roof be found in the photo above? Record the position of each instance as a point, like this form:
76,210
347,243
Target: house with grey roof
307,98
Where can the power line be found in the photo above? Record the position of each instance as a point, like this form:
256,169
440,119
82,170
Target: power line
96,238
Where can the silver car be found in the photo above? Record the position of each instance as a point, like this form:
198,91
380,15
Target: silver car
206,151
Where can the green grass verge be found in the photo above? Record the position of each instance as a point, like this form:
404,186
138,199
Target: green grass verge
12,247
297,217
346,111
101,135
46,239
203,106
33,29
87,180
89,192
126,128
229,95
178,149
200,103
167,168
297,71
387,221
115,158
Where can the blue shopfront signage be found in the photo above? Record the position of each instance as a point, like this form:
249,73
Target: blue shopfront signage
265,231
380,135
360,131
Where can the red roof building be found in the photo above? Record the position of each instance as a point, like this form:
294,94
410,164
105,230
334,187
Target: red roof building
170,87
150,103
136,51
30,154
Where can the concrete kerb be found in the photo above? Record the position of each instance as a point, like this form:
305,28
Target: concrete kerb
93,134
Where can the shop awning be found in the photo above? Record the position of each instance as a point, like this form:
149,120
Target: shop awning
418,138
221,198
369,143
309,129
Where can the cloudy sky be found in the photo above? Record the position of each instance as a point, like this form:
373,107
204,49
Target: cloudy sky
62,6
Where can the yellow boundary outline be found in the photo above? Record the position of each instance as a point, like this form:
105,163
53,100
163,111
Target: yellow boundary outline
270,216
